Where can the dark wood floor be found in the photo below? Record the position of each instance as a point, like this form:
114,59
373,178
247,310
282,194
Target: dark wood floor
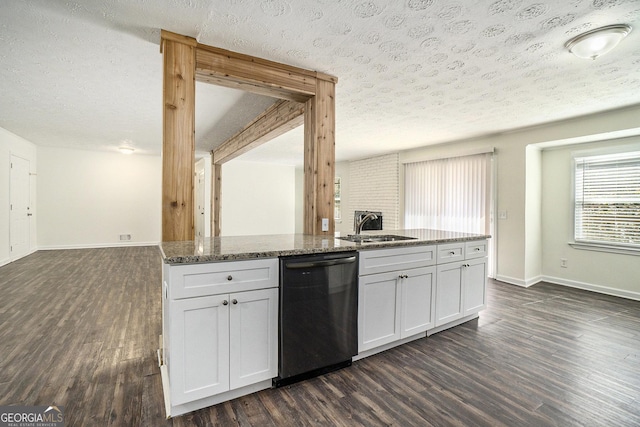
79,328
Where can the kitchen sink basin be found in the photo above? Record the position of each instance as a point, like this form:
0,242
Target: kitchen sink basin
364,238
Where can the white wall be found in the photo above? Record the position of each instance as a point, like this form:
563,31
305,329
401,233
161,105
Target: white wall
257,198
299,201
12,144
344,225
533,215
374,186
90,198
617,274
514,237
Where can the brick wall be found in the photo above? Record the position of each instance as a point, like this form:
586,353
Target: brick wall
374,186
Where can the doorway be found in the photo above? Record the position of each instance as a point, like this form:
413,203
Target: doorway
200,203
20,208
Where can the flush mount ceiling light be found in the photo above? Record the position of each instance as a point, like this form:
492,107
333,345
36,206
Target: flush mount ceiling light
597,42
126,150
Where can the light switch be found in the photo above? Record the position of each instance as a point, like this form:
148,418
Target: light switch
325,224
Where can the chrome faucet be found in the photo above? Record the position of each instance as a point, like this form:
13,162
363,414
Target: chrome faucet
364,219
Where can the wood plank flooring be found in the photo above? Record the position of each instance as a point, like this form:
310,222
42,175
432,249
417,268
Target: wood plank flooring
79,328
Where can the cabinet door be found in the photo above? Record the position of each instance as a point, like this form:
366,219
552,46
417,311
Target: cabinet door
378,310
417,290
253,320
475,285
448,292
199,365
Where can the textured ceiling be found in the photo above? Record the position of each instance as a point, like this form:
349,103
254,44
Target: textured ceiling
88,73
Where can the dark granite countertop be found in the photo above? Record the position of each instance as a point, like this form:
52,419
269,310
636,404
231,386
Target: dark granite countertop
230,248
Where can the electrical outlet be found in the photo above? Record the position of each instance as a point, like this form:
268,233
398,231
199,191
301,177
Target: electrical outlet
563,262
502,214
325,224
125,237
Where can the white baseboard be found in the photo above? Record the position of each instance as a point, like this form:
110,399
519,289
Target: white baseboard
592,287
96,245
572,284
513,281
6,261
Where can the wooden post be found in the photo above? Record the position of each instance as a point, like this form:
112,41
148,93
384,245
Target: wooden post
184,61
319,158
178,137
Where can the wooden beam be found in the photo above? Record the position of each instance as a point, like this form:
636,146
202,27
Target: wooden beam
276,120
178,137
216,197
319,159
256,75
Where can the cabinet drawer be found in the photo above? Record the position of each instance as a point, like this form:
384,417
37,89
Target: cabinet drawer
394,259
475,249
197,280
451,252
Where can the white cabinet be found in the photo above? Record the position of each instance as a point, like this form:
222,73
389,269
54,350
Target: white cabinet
460,285
253,340
416,308
396,303
199,357
218,346
475,286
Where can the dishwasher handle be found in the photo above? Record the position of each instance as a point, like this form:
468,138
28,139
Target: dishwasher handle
326,263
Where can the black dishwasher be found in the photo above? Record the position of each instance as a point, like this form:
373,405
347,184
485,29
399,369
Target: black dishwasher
318,317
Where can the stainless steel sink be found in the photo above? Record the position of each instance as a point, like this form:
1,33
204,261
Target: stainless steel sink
365,238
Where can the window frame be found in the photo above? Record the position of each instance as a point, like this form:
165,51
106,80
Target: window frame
601,246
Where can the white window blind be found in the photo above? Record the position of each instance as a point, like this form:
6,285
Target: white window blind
607,199
450,194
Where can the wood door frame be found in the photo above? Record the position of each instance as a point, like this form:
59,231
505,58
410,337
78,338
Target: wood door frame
186,60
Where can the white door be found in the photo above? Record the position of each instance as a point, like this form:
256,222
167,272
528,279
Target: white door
475,286
449,282
378,314
199,210
199,355
253,326
20,216
418,286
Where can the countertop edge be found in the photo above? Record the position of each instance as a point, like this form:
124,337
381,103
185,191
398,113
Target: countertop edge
344,247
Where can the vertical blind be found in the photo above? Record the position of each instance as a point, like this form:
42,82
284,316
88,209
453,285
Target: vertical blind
450,194
607,199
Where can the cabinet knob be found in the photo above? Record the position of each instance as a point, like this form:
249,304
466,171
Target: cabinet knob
477,249
452,253
225,302
234,301
403,276
229,277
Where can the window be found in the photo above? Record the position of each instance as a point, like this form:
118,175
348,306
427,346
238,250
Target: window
450,194
607,200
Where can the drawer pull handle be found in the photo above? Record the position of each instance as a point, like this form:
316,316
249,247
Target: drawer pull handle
234,301
452,253
225,302
229,277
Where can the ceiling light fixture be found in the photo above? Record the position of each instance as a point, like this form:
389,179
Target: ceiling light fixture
597,42
126,150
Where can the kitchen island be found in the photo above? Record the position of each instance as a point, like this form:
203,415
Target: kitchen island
220,303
